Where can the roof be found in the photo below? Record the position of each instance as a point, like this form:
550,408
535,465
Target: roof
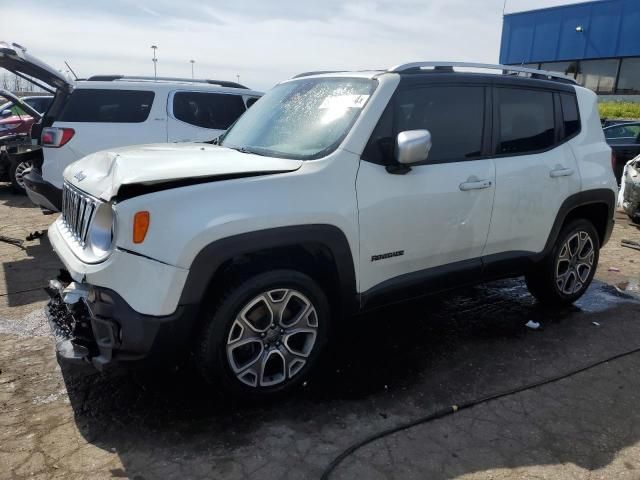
446,67
161,86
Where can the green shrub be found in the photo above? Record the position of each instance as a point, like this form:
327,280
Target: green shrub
622,110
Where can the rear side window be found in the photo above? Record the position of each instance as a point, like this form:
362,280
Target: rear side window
570,115
525,119
454,116
107,106
208,110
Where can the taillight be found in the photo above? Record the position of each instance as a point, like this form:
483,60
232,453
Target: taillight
56,137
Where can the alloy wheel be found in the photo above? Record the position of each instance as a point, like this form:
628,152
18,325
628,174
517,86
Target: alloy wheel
272,337
574,263
21,170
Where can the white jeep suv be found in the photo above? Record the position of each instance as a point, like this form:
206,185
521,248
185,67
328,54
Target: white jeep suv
336,193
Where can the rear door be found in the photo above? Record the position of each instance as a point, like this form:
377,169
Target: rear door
202,116
435,217
536,169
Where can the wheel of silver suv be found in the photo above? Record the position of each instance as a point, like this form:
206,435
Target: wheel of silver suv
271,337
575,262
18,171
568,269
265,334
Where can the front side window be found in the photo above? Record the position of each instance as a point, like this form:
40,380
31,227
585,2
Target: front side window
301,119
453,115
107,106
525,119
216,111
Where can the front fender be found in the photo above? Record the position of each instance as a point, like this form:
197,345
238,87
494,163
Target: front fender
213,256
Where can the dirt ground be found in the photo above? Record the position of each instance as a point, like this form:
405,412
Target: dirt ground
386,368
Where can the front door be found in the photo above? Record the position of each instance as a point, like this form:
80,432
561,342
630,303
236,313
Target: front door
434,218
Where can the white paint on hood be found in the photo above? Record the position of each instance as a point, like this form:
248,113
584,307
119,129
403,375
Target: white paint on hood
101,174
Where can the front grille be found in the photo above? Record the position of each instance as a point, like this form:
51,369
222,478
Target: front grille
77,211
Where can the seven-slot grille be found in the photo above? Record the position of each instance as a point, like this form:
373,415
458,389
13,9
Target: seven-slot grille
77,211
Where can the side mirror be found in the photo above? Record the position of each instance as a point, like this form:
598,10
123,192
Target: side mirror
6,113
413,146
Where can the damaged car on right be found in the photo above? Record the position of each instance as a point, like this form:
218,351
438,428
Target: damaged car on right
631,189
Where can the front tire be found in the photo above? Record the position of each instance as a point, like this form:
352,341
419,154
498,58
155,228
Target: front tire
567,271
265,335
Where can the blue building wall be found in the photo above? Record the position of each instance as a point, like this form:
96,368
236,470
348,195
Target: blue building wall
611,29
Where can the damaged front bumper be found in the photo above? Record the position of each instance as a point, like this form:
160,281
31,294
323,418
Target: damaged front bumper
96,326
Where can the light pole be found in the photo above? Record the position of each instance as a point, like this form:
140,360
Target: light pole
155,62
238,77
192,62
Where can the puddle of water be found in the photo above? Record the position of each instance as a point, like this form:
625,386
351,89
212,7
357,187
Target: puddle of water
601,297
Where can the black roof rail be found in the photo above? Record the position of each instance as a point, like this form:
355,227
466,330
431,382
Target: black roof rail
111,78
319,72
225,83
416,67
104,78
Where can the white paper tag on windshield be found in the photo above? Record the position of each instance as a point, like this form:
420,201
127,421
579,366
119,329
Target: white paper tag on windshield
344,101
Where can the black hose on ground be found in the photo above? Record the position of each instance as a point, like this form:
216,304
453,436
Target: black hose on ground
456,408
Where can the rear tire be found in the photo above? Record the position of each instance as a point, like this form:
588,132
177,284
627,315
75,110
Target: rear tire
17,170
265,335
566,272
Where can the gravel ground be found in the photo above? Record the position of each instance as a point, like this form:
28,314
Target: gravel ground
386,368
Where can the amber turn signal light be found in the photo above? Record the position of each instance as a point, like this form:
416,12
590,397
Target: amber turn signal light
140,226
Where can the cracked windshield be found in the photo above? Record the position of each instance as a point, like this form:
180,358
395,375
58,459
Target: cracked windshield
302,119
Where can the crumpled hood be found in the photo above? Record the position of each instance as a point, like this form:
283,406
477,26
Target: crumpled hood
101,174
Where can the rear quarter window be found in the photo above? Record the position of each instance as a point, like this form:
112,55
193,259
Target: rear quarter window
108,106
216,111
570,114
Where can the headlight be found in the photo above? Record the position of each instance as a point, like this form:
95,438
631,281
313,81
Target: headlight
102,231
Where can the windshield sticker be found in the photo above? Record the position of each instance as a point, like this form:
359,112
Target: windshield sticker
344,101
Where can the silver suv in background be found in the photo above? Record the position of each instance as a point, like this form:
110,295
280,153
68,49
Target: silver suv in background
110,111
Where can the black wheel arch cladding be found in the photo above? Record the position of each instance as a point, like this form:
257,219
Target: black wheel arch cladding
580,202
215,255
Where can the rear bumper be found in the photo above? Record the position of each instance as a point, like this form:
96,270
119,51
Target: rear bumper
42,193
101,329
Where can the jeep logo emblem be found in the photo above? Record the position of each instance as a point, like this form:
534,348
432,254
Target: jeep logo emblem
80,176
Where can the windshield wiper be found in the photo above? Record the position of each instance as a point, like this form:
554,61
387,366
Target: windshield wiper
247,150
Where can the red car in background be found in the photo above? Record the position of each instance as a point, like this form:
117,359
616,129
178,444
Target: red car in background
15,120
17,116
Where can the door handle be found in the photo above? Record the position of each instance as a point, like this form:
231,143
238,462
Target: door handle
561,172
475,185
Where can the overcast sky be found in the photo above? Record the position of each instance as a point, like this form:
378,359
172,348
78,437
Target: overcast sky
263,41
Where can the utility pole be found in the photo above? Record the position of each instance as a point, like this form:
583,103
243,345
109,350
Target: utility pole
192,62
238,77
155,62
